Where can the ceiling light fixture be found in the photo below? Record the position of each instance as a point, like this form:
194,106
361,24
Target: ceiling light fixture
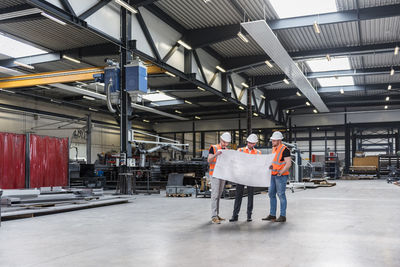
386,107
341,91
392,72
263,97
201,89
287,111
177,111
55,101
316,28
185,45
315,111
389,87
88,97
255,114
197,117
146,121
269,64
242,37
308,103
240,107
170,74
220,69
125,5
298,93
188,102
71,59
24,65
93,109
224,99
328,57
53,18
387,98
245,85
286,81
7,91
44,87
396,50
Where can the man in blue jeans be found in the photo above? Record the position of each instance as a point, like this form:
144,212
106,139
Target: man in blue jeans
279,174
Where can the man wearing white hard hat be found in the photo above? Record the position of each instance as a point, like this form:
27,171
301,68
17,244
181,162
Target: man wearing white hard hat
217,185
252,140
279,174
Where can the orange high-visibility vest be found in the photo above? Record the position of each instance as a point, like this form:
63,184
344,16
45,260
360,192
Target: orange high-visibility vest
212,164
248,151
277,163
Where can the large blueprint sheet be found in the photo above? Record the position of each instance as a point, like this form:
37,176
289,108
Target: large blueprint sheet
242,168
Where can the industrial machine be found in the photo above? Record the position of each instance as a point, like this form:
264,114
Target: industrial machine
135,81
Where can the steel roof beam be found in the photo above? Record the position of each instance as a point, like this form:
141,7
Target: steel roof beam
243,63
270,80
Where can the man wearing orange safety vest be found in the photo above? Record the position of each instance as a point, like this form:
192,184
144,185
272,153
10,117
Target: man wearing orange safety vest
279,174
217,185
252,140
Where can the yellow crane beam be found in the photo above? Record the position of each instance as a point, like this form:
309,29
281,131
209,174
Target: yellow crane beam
65,76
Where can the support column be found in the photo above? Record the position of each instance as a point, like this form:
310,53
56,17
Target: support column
346,148
202,140
249,111
194,139
310,144
126,109
89,139
28,161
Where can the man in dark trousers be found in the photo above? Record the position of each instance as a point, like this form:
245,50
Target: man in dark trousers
252,140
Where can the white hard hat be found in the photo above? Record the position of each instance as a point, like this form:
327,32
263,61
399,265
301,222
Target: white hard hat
276,136
226,137
252,138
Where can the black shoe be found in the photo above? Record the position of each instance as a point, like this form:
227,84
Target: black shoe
233,219
269,218
249,219
281,219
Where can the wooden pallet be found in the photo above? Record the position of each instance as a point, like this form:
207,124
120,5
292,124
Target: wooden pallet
178,195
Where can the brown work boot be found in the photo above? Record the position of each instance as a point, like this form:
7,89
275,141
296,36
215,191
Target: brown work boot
269,218
281,219
220,218
215,220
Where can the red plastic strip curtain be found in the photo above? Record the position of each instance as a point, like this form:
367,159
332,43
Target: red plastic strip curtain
12,161
48,161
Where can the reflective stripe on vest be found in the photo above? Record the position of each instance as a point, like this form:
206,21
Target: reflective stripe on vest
247,151
212,164
277,163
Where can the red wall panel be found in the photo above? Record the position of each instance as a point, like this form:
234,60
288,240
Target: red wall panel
48,161
12,161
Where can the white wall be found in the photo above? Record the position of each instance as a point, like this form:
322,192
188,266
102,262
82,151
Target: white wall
322,119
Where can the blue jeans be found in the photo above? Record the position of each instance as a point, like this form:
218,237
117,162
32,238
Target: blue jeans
278,185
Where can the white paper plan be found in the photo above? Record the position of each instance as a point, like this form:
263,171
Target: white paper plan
243,168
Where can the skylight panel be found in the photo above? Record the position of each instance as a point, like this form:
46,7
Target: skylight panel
16,49
296,8
157,97
336,81
322,64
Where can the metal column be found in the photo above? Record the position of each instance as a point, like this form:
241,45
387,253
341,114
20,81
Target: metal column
28,161
310,144
89,139
126,109
194,139
346,148
249,111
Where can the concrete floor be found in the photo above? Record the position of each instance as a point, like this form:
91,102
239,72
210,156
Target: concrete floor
356,223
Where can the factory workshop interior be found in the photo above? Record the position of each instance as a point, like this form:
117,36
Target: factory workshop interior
199,133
